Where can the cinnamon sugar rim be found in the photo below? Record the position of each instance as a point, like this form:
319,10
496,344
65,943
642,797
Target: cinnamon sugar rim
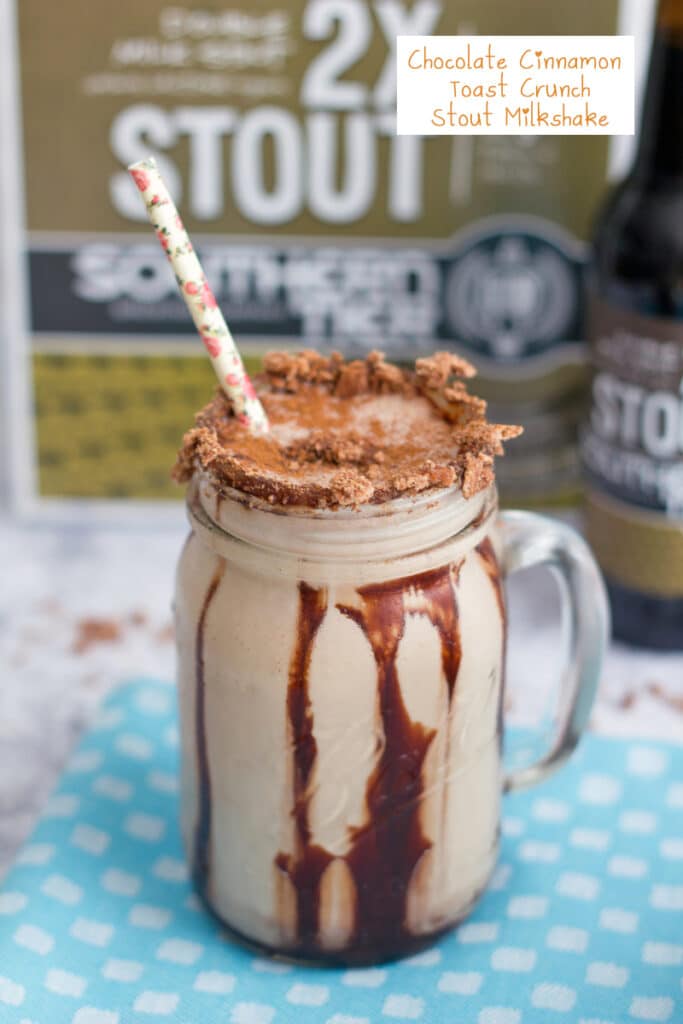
348,434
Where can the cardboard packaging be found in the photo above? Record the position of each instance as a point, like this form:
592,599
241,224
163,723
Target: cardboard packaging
273,122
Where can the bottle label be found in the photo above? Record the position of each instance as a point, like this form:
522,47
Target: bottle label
632,448
514,289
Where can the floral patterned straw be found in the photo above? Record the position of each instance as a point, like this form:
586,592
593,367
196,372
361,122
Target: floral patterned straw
198,297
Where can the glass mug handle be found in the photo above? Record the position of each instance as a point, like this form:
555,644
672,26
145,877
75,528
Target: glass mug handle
533,540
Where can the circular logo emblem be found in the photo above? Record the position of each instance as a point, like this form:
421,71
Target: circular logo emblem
512,294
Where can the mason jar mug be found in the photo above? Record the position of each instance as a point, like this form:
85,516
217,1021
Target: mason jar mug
341,681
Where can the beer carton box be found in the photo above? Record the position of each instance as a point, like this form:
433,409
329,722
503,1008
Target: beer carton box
273,123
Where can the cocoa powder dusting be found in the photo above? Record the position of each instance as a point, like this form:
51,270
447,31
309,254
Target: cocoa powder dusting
673,700
91,632
349,433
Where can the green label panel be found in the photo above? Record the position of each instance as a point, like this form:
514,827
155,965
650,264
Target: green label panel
277,117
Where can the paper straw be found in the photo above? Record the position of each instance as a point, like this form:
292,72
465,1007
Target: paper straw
198,296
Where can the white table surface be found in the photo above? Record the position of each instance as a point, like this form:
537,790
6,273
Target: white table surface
56,578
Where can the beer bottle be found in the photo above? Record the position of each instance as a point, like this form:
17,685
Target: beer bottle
632,444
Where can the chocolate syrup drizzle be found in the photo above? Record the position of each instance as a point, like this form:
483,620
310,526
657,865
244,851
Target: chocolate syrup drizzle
305,868
201,861
386,849
441,608
487,553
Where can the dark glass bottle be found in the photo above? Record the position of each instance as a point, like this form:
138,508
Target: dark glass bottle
632,445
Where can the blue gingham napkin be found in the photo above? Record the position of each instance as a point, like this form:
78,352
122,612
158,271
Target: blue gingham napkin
583,921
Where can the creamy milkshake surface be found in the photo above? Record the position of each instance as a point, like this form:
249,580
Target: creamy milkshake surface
345,434
341,630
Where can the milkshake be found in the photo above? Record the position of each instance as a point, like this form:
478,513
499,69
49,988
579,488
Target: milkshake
341,633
